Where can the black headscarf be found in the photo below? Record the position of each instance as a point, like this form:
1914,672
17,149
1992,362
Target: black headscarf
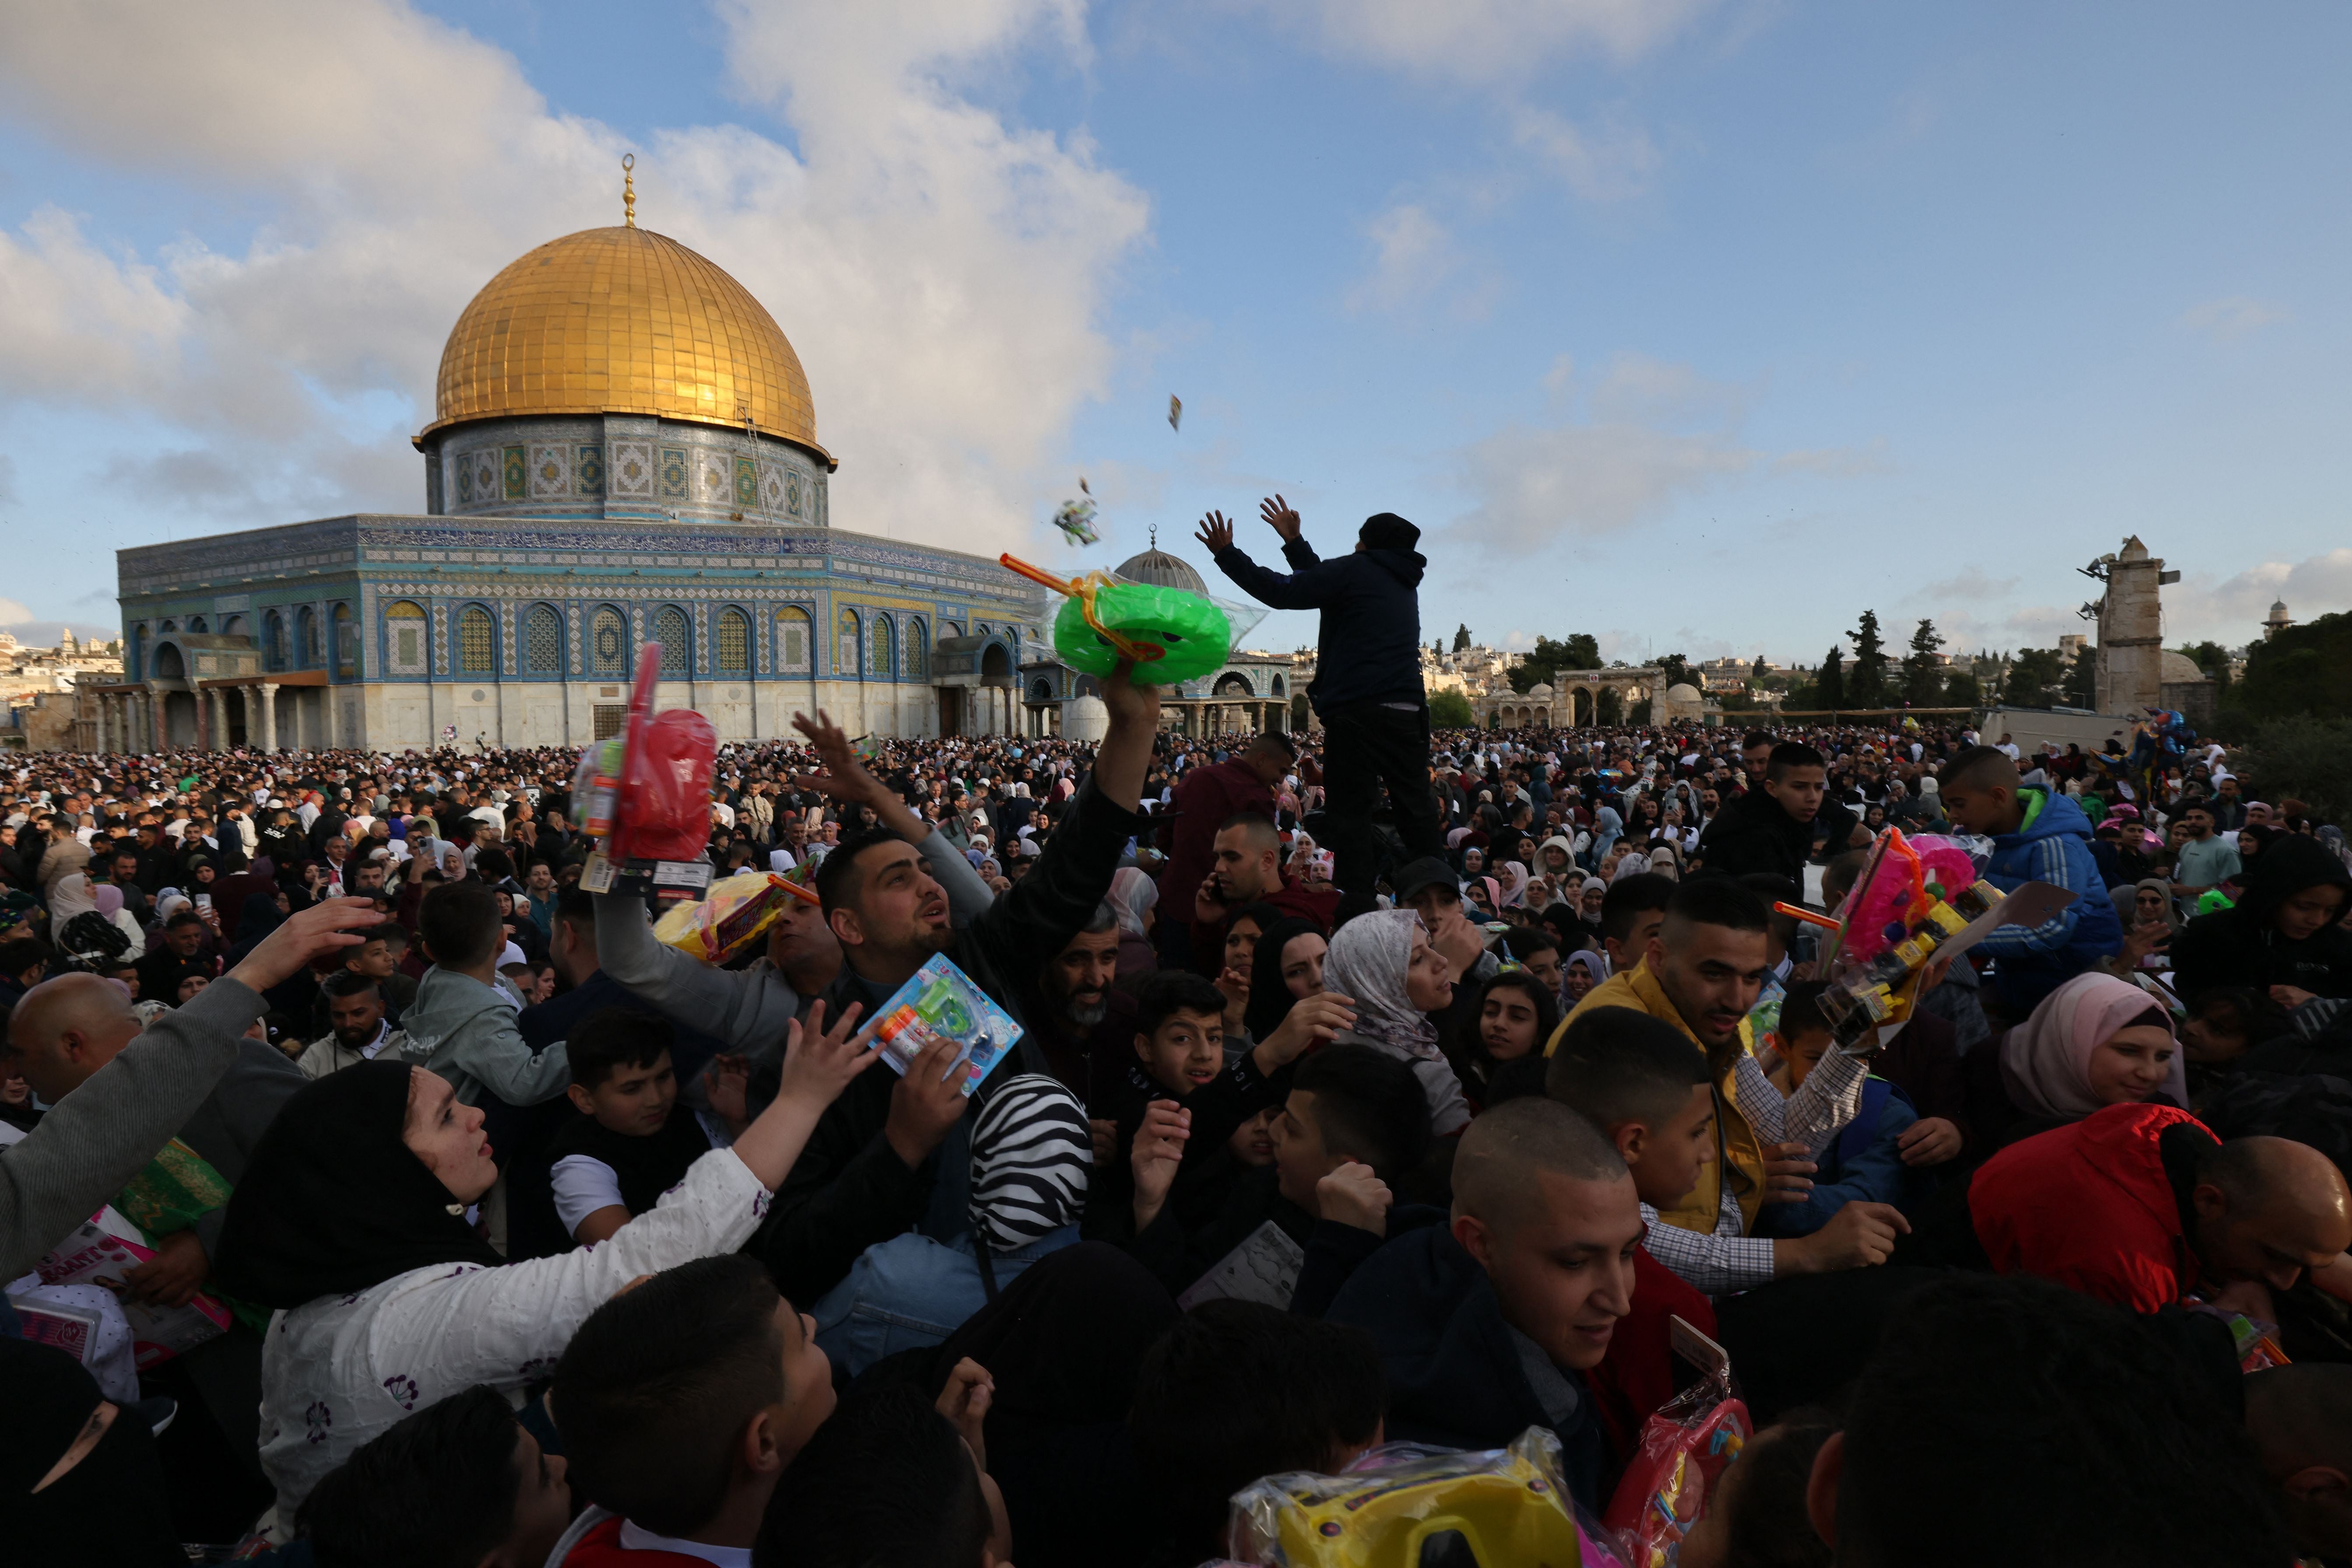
332,1202
1270,1000
111,1507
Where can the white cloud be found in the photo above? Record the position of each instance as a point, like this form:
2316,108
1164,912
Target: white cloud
12,610
2231,610
1533,486
1483,41
2232,317
1413,254
1610,165
939,269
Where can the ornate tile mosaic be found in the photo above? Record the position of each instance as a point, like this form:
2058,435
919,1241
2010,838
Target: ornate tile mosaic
588,469
550,470
633,468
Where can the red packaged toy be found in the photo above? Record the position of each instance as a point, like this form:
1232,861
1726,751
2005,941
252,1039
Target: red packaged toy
665,801
1685,1445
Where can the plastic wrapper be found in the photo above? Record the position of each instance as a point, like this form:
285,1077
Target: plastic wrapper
1171,633
647,792
1510,1506
735,914
1913,896
940,1002
1685,1446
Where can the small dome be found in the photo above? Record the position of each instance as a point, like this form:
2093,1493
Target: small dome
1162,570
1682,692
2278,609
1540,691
2178,667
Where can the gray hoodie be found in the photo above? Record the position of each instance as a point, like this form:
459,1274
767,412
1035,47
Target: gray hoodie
465,1031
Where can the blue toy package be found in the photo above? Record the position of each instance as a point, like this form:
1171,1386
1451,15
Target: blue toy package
940,1002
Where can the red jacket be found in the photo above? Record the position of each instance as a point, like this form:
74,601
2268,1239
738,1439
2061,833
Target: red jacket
602,1547
2088,1206
1637,1376
1206,797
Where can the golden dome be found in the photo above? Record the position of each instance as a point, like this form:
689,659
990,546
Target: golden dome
621,320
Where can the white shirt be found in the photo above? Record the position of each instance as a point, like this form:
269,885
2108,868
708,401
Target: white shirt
584,1184
341,1370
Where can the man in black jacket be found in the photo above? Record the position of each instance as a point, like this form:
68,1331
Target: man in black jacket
1367,687
1773,828
880,1162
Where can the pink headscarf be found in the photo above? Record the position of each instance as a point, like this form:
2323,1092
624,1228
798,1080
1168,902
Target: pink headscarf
2046,1061
108,898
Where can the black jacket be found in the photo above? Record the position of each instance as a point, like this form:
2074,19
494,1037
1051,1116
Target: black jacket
1751,833
1368,650
2241,946
1454,1369
849,1189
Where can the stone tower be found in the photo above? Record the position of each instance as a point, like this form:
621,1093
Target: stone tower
2131,628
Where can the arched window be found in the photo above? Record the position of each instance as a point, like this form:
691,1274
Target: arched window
542,641
273,640
734,642
881,647
232,626
305,639
478,642
608,643
196,623
346,643
919,650
793,641
169,627
137,668
670,631
404,637
847,664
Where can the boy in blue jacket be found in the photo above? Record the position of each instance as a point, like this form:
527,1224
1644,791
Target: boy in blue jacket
2038,836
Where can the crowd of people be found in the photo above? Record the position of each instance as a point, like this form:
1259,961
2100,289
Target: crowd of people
1374,1086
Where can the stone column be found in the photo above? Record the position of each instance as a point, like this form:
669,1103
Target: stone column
269,689
159,721
216,733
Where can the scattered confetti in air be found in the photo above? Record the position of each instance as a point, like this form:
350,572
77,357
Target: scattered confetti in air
1175,412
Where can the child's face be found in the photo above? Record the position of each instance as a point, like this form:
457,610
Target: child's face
1253,1140
1803,1054
2214,1036
1507,1023
373,959
635,1100
1186,1051
1667,1164
1976,809
808,1383
1300,1156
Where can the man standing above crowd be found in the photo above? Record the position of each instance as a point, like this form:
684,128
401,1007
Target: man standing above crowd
1367,688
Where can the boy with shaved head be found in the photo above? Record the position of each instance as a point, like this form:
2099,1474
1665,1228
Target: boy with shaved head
1487,1325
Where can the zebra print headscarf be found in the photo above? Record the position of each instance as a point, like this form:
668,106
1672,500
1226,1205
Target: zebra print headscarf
1030,1152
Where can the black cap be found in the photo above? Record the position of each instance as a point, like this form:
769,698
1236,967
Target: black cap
1426,872
1386,530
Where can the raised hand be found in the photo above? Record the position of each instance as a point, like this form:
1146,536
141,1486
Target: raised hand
845,777
1159,1151
1353,1195
964,1400
1216,532
1312,1021
726,1082
926,1103
324,927
1788,1174
819,1062
1281,517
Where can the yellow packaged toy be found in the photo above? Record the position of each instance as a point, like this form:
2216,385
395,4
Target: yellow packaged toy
735,914
1510,1506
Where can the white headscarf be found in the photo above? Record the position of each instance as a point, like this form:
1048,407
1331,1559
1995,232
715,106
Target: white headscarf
1367,961
1132,895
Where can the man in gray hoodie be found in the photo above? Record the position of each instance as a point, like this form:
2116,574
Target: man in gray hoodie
462,1024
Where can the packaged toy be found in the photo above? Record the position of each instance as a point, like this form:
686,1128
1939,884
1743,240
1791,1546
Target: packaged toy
735,914
1685,1447
1508,1507
1170,633
940,1002
645,793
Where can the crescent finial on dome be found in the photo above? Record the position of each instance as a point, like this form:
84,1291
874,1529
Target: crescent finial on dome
629,189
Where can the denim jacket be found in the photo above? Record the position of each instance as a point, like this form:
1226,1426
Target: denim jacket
912,1290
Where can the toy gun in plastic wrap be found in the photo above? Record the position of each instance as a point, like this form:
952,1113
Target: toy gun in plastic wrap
646,794
1917,899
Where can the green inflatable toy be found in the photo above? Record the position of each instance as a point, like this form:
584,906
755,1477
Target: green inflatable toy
1171,635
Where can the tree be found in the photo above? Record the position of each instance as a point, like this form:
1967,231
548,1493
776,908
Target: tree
1866,686
1829,687
2302,670
1581,650
1922,677
1451,711
2035,678
2307,759
1760,670
2214,661
1961,690
1674,670
1612,706
2080,686
1461,638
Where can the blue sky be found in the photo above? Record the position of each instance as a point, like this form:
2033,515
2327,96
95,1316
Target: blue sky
1700,327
